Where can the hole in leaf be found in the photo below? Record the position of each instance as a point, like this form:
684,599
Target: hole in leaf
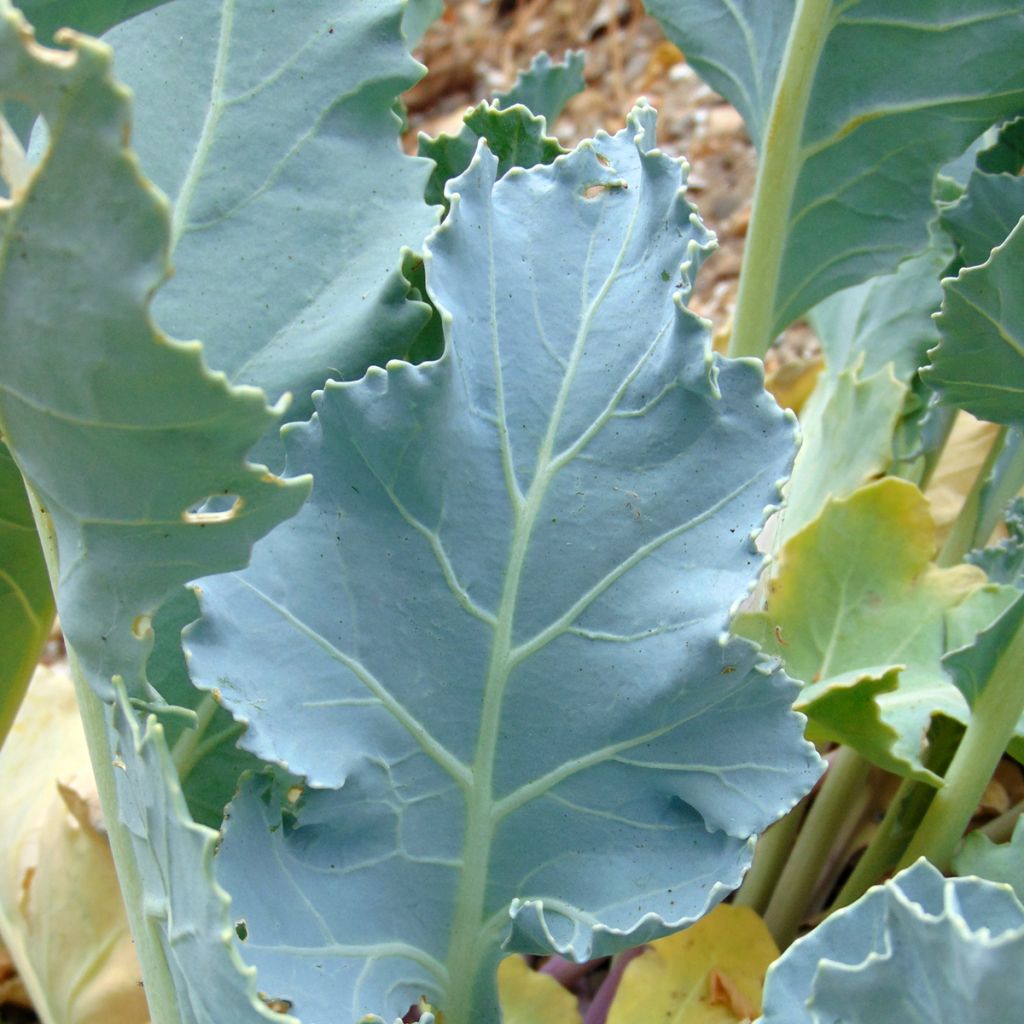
142,626
217,508
600,187
275,1004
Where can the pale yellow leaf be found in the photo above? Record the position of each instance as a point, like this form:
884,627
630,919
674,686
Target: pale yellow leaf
61,915
711,973
529,997
954,476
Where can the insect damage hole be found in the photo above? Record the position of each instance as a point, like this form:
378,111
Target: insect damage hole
600,187
142,626
215,508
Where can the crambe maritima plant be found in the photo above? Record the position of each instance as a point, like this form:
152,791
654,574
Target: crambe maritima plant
440,673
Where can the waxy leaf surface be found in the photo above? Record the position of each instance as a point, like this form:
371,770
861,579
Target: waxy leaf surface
120,433
889,101
546,86
920,948
497,627
270,128
998,862
979,364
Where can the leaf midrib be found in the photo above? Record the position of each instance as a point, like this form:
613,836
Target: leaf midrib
186,194
466,952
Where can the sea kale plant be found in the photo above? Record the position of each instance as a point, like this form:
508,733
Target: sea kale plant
415,612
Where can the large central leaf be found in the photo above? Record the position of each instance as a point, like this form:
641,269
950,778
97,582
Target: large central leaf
497,626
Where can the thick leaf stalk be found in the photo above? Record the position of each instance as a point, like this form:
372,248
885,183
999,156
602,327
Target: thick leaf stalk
761,271
997,704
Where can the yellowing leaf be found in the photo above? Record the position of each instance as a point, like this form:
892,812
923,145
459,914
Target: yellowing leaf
964,453
711,973
861,615
792,383
529,997
61,915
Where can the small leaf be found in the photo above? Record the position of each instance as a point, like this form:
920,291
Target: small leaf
1004,562
529,997
979,364
1002,862
711,973
919,948
857,605
515,136
993,201
972,665
546,86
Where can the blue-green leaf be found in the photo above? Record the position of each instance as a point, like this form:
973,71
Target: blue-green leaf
93,17
496,630
998,862
184,906
920,948
418,16
270,127
120,433
979,364
1004,562
994,199
972,665
546,86
893,90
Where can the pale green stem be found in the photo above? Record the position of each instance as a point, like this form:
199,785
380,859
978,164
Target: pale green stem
769,859
843,784
776,181
993,721
962,537
185,754
156,974
907,808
